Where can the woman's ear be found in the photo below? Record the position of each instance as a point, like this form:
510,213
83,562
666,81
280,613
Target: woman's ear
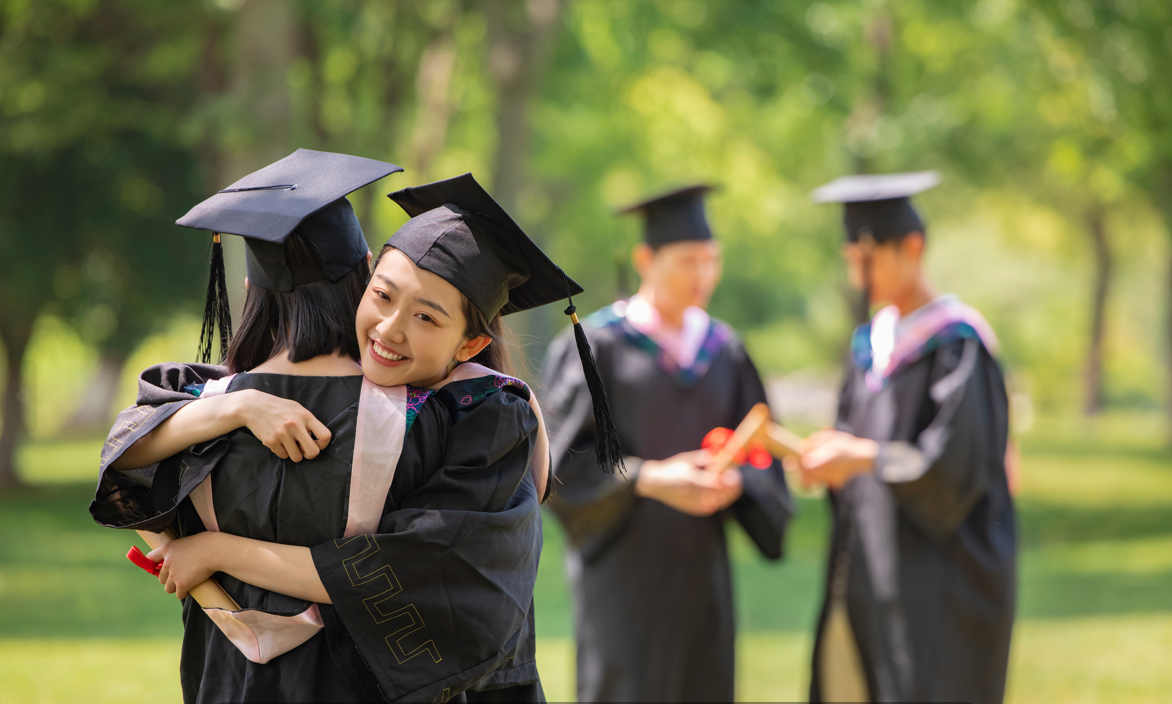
368,256
246,284
471,347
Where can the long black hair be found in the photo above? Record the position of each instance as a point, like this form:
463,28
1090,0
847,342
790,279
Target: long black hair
313,319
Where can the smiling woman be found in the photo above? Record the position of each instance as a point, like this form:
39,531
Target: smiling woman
411,325
424,434
410,318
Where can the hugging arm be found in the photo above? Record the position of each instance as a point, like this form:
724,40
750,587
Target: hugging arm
285,569
284,426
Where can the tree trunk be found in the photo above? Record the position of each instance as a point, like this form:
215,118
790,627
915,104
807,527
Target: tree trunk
264,48
1168,333
518,40
93,415
433,88
15,335
1093,379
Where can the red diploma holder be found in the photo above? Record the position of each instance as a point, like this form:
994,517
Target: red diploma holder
209,594
756,440
135,555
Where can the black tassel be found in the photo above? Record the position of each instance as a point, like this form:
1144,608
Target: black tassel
867,246
607,447
217,316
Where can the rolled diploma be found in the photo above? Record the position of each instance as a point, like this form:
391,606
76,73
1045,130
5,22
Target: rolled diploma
209,594
780,442
756,419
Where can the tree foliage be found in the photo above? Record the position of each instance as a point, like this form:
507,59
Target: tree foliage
1045,116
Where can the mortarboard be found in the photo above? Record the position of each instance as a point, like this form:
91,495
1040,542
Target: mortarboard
674,216
305,193
878,205
459,233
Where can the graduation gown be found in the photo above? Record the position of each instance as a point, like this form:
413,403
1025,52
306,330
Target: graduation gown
653,597
921,570
430,573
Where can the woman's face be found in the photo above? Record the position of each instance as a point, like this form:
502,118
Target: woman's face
411,324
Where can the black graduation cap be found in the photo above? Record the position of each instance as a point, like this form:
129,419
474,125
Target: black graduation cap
878,205
674,216
459,233
304,192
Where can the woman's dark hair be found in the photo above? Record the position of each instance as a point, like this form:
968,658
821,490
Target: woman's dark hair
313,319
497,356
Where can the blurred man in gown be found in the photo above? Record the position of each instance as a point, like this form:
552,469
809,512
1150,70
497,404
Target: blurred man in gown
647,553
921,584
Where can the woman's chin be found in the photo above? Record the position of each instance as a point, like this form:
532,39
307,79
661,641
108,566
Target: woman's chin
383,375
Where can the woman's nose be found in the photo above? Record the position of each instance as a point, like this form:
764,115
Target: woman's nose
389,328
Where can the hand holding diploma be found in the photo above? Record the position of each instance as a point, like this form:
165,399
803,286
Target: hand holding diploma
187,572
683,483
827,458
832,458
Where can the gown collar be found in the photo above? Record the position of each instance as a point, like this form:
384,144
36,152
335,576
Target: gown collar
684,355
891,342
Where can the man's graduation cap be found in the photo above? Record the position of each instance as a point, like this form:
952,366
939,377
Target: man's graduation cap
674,216
880,205
305,193
459,233
876,209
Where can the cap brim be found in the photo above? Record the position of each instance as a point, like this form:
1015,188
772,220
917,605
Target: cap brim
270,203
862,188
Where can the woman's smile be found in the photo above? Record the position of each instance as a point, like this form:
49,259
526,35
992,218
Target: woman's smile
385,355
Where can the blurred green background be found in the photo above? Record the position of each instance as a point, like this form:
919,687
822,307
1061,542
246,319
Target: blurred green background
1049,120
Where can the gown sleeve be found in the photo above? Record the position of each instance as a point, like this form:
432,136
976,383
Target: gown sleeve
593,506
458,554
939,477
765,506
126,498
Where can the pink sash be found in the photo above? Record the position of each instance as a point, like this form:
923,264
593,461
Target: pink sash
378,443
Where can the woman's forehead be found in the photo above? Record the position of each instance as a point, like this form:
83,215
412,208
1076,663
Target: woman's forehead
395,267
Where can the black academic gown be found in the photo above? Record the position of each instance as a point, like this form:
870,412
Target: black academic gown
653,596
924,551
436,605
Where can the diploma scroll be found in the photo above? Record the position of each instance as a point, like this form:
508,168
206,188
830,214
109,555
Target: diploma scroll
209,594
757,427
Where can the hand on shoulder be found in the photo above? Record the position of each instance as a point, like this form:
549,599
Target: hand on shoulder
284,426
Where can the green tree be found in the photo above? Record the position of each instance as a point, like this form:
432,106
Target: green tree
89,103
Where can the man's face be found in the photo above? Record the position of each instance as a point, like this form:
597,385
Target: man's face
684,272
895,266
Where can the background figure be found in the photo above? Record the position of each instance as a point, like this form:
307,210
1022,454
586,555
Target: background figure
920,587
647,555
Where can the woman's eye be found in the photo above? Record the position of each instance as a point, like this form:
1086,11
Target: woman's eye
426,318
383,295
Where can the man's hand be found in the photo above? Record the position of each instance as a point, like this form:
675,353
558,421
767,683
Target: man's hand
682,483
284,426
186,562
832,458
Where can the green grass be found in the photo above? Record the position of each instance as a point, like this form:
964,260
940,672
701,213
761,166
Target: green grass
79,623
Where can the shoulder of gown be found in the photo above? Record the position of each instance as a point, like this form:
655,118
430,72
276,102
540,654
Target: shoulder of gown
124,498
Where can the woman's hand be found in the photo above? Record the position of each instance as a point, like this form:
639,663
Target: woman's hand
284,426
833,458
187,561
